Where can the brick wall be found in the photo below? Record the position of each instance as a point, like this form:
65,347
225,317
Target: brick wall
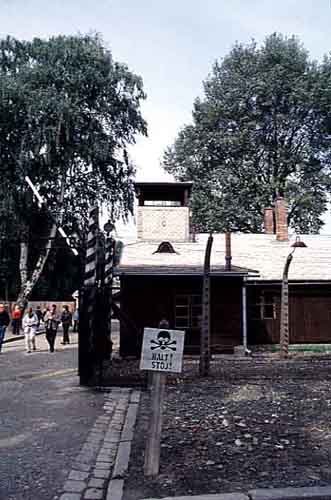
163,223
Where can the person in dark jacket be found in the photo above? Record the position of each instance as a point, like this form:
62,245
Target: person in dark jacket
52,320
39,315
4,322
66,319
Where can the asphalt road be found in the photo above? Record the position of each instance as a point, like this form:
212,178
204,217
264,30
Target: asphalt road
45,417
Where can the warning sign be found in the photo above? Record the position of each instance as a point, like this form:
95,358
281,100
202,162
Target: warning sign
162,350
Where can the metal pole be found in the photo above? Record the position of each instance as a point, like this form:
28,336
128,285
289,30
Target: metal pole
244,313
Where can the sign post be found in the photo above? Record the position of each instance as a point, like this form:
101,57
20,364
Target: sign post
162,353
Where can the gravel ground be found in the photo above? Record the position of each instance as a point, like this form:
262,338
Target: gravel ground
258,424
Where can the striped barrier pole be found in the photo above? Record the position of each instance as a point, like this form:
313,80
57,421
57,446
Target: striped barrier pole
90,275
87,314
109,267
109,255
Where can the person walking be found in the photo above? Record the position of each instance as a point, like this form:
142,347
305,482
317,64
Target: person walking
30,325
4,322
16,320
52,321
66,319
45,311
75,318
39,315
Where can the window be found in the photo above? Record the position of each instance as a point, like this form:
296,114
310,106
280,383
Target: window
188,311
162,203
264,306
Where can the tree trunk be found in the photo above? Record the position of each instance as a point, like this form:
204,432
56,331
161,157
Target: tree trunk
27,284
23,264
24,251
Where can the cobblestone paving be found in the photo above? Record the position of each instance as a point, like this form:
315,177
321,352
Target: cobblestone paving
45,418
48,422
102,463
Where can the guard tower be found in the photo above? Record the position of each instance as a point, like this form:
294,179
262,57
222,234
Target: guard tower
163,211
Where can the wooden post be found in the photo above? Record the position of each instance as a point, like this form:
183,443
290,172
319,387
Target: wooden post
244,315
205,327
161,353
152,452
284,319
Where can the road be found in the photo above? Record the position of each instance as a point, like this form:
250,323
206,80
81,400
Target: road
45,417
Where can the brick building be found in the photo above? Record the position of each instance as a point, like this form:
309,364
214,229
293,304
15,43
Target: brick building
166,280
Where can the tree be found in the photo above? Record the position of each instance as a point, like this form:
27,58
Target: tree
260,131
68,113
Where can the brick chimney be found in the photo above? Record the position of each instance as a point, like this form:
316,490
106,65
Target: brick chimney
281,219
228,256
268,221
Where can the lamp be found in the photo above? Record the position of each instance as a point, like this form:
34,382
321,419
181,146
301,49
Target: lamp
298,244
108,227
284,306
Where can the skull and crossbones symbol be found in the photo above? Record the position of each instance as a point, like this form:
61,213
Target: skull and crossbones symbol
163,341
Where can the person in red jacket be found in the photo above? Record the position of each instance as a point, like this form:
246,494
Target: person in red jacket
16,317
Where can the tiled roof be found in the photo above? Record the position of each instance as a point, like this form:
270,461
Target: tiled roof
259,252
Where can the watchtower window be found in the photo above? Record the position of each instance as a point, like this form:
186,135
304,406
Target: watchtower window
163,194
162,203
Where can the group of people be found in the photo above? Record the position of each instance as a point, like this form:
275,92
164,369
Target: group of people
31,323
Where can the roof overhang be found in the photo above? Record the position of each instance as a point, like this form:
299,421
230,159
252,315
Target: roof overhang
184,271
174,185
273,282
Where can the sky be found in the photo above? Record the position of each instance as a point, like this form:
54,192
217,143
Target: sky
172,44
